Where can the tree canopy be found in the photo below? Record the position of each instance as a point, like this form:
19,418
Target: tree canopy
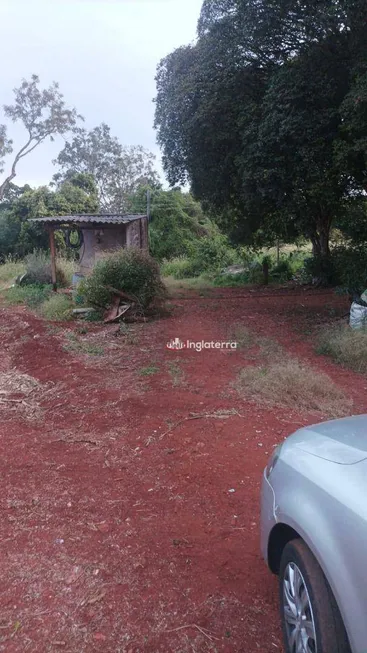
265,116
118,171
17,235
43,113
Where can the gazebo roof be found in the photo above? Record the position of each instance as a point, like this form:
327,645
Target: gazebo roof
88,219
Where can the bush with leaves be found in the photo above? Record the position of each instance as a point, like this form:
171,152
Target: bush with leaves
283,271
214,253
32,295
56,307
345,267
321,270
349,265
177,221
132,271
209,255
181,268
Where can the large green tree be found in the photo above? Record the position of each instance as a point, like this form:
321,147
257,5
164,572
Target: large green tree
273,31
18,236
288,168
118,171
198,119
262,115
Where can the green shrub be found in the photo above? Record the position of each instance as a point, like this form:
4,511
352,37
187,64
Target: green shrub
231,280
209,255
247,256
129,270
297,258
214,253
57,307
180,268
32,295
345,267
283,271
253,275
321,269
350,268
38,269
177,222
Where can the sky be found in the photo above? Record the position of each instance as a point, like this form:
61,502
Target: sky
104,55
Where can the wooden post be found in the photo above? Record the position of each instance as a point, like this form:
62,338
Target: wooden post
266,272
141,233
145,233
51,232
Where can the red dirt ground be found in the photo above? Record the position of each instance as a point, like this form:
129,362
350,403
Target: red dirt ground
117,533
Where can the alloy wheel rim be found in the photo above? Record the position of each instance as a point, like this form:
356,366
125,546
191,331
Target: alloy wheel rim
298,614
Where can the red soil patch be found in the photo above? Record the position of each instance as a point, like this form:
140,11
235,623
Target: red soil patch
118,532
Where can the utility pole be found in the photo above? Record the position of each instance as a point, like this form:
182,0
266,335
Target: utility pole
149,198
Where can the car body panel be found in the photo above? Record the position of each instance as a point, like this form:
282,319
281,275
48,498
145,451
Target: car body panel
325,503
343,441
268,518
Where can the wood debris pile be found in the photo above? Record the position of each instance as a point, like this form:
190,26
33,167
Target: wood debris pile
123,306
20,393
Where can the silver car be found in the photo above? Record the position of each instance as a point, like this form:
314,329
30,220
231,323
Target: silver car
314,536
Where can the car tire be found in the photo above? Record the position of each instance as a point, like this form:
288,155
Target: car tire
309,612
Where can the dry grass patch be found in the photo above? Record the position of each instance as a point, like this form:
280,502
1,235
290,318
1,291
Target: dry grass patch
270,348
176,372
243,336
345,346
10,270
246,339
82,346
293,385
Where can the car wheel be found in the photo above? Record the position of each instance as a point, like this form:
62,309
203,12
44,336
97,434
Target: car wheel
311,620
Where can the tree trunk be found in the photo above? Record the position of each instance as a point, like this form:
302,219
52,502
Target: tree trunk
320,239
321,252
4,186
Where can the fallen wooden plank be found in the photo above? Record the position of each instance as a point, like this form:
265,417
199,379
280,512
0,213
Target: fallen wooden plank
83,311
122,311
112,312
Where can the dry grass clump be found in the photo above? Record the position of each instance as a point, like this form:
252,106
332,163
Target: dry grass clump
294,385
20,393
243,336
247,339
10,269
345,346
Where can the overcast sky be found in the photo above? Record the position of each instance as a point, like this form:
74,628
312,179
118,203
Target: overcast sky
103,53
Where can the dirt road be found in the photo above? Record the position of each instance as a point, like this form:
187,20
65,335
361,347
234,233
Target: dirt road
130,479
